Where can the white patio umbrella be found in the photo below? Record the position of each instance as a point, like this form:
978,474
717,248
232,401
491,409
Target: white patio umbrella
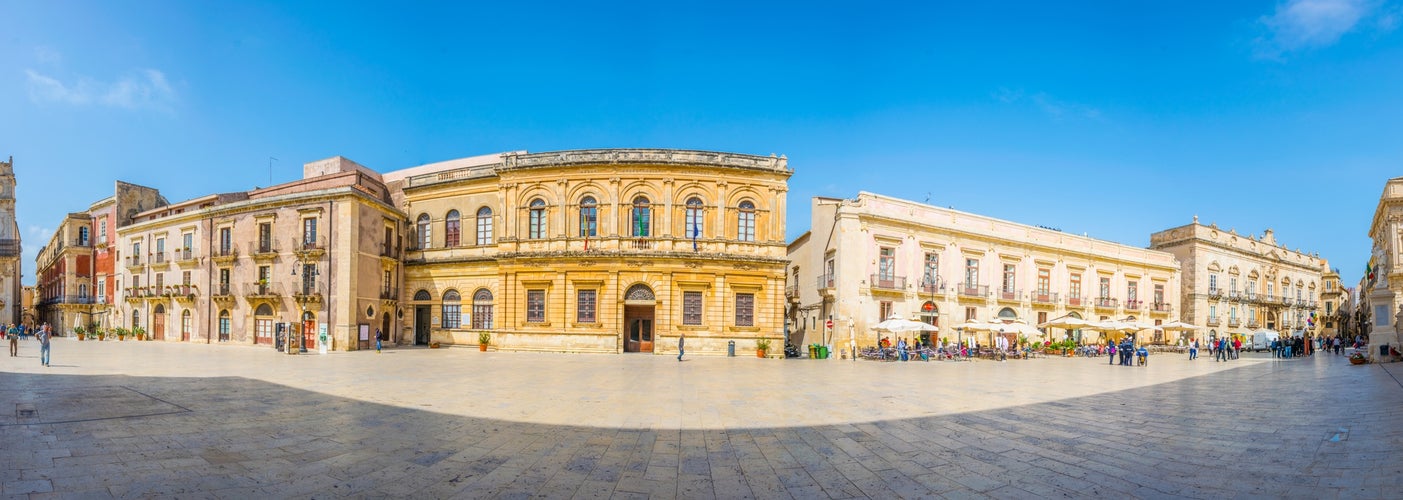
1179,326
1068,323
897,325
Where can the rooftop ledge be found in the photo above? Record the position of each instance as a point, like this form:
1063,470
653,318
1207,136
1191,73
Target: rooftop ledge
523,160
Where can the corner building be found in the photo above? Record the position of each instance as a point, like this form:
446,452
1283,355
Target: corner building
610,250
873,257
1235,284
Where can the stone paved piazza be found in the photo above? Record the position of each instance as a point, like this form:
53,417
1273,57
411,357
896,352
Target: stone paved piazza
146,419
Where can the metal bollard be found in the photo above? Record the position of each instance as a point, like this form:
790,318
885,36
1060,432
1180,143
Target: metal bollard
731,349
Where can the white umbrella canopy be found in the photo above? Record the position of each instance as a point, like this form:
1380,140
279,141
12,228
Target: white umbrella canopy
898,325
974,326
1069,323
1177,325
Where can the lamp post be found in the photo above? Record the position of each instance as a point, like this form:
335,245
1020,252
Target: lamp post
309,284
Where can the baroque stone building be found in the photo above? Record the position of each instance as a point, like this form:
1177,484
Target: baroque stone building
1381,289
1333,299
1235,284
873,257
11,307
314,256
76,276
611,250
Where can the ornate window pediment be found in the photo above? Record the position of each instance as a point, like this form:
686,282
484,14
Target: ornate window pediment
639,292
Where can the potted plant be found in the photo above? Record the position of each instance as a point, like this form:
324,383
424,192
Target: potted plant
483,338
80,332
762,344
1357,359
139,332
121,333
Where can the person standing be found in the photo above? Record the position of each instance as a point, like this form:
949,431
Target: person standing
379,336
1111,352
13,334
44,335
681,342
1193,349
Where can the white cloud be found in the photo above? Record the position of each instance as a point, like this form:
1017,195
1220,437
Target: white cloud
144,89
1307,24
1049,105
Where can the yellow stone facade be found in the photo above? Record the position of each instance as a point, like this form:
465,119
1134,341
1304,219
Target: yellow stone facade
595,251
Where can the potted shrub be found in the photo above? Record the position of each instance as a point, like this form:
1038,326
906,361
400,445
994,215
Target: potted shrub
80,332
121,333
762,344
139,333
1357,359
483,338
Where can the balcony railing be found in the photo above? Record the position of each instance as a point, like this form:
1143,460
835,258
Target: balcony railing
224,254
262,248
1234,295
70,299
257,289
390,251
1010,294
640,244
1252,323
1300,302
1215,292
133,260
184,255
222,290
1045,297
387,294
1133,304
888,282
1311,304
790,291
1213,321
1250,295
825,281
932,285
1074,301
1233,322
306,245
158,258
1161,307
1106,302
307,292
1285,301
974,290
1269,298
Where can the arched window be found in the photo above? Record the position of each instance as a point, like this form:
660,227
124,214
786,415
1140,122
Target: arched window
452,311
694,218
451,229
224,325
536,228
484,226
425,234
482,310
1007,313
745,221
589,217
186,322
423,295
641,217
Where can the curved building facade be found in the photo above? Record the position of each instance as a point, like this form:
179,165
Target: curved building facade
610,250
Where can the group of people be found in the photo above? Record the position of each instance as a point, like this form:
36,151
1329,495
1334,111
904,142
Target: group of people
1126,352
16,332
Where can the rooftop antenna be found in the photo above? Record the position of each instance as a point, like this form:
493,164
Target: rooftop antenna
270,169
927,202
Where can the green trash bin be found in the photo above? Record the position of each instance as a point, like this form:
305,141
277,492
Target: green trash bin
823,352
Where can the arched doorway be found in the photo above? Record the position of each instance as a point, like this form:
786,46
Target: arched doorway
186,322
930,315
1271,320
158,322
385,327
263,324
639,303
1006,315
422,316
1076,333
309,330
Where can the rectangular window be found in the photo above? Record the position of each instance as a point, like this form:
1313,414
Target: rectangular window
309,279
931,273
886,264
691,308
1042,317
584,306
388,285
1329,306
223,286
1159,294
1232,285
1105,288
482,315
1212,313
745,309
309,232
884,309
1212,283
970,314
1074,288
160,281
102,291
535,306
484,226
1010,278
223,328
136,281
185,278
1044,282
102,231
971,273
1271,289
226,241
1132,291
265,237
160,255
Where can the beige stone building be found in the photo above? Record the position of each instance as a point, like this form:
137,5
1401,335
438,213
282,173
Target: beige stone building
612,250
76,274
872,257
1333,299
1381,290
1236,284
317,254
11,309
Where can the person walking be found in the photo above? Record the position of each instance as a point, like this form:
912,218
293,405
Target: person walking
681,341
1220,351
379,336
43,336
1193,349
13,334
1111,352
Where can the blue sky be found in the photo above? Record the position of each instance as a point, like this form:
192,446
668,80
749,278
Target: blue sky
1115,119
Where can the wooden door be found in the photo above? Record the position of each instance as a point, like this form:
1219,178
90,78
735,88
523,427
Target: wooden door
158,324
263,330
638,329
309,333
421,325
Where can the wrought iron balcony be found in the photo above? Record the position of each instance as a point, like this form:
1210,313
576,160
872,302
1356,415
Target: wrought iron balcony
974,290
224,255
1234,295
134,261
262,290
825,281
1074,301
1106,302
1233,323
392,252
222,292
1215,293
932,285
1010,294
1133,304
263,249
790,291
307,293
389,294
888,282
1044,297
1161,307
